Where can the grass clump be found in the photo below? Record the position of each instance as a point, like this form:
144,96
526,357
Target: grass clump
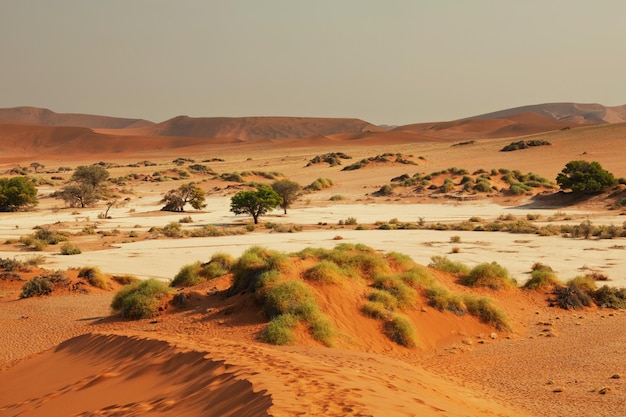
280,330
400,330
376,310
542,279
220,264
443,263
490,275
125,279
486,312
140,300
188,276
94,277
37,287
326,272
607,297
69,249
320,184
577,294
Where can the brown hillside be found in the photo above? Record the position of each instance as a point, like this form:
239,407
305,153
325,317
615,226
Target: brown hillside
45,117
254,128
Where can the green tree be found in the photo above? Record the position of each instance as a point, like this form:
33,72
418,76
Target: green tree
176,199
585,177
86,186
255,203
287,190
17,193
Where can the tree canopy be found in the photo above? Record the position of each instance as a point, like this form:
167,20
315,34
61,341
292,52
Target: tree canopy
17,193
85,186
288,191
585,177
176,199
255,203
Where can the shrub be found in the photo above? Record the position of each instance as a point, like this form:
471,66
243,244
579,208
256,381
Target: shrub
490,275
187,276
321,328
376,310
385,190
541,279
173,229
486,312
405,295
140,300
125,279
280,330
350,221
220,264
289,297
319,184
325,272
36,287
442,263
69,249
608,297
94,277
585,177
248,268
400,330
386,299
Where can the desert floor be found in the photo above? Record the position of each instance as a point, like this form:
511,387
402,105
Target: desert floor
65,354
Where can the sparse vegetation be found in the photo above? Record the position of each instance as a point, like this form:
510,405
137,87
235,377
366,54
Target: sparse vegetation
140,300
94,277
320,184
523,144
37,287
332,159
491,275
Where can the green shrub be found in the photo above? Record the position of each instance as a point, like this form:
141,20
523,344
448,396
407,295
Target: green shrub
490,275
541,279
607,297
319,184
248,268
280,330
140,299
220,264
486,312
405,295
443,300
400,330
325,272
69,249
386,299
94,277
289,297
36,287
376,310
173,229
442,263
322,329
188,276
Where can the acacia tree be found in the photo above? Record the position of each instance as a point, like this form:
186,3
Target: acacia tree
585,177
86,186
255,203
17,193
287,190
176,199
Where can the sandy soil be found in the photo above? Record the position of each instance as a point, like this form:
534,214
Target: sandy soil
208,361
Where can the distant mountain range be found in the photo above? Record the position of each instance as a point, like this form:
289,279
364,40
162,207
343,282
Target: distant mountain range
34,128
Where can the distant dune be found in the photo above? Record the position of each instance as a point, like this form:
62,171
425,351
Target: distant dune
573,113
45,117
254,128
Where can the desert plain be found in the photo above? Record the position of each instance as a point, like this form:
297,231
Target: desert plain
68,354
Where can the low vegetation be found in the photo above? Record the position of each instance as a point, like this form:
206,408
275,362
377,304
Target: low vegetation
140,300
383,158
332,159
523,144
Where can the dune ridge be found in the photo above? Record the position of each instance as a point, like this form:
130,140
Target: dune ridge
45,117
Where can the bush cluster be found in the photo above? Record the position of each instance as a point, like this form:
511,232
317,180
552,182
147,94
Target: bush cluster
140,300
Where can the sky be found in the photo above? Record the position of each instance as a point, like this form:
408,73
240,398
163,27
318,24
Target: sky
387,62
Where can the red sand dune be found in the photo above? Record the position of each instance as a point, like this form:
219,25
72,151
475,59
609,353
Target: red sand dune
45,117
254,128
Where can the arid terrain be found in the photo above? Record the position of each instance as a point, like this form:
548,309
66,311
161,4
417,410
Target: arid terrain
67,353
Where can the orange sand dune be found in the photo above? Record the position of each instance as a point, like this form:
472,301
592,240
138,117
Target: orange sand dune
516,125
253,128
119,375
45,117
38,141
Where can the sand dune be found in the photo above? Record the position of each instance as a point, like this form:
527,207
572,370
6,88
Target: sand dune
45,117
254,128
566,112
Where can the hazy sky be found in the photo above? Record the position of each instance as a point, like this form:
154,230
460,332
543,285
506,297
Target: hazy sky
392,61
